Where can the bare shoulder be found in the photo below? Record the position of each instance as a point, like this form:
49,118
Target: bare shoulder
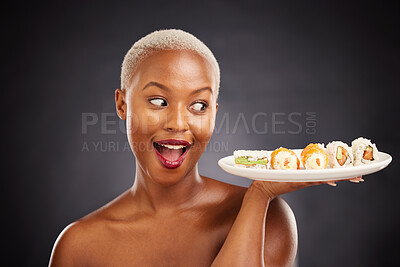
279,212
223,202
72,242
225,188
280,234
78,240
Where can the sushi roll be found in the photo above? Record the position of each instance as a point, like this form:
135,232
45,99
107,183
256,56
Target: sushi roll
364,151
284,159
256,159
339,154
314,156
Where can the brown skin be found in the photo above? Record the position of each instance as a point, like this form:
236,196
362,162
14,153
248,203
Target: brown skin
176,217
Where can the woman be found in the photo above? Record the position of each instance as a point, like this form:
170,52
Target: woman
172,215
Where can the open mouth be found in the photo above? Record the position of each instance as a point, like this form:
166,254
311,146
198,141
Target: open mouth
171,152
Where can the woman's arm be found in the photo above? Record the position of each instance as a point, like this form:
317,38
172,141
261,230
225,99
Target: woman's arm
246,244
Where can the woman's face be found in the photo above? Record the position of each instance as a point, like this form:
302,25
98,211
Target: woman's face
170,110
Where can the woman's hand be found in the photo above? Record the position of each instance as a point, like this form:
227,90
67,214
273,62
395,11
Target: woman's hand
247,243
274,189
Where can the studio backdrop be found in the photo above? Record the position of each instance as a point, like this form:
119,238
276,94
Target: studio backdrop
292,72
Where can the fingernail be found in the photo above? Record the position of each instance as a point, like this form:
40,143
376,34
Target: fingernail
361,179
332,184
354,181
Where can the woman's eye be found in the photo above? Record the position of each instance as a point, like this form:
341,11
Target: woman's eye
158,102
199,106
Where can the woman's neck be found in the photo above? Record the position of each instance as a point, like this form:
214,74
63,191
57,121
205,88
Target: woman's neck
152,197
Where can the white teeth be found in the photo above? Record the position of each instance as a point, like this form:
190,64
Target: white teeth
172,146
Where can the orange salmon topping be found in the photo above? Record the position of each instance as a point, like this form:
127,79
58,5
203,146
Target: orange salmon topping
343,160
368,153
286,162
311,149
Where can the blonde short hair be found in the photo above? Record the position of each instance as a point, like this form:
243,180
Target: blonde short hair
170,39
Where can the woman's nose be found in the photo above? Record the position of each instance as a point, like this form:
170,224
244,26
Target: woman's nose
177,119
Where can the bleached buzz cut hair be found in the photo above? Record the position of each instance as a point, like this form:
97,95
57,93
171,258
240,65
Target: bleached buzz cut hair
171,39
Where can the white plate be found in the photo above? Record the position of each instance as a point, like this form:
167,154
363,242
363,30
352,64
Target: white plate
303,175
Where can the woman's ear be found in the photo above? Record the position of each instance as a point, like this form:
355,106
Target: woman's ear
120,104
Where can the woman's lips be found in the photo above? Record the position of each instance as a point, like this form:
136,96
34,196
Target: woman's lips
171,152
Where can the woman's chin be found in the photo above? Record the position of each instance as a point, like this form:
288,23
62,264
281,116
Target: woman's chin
167,177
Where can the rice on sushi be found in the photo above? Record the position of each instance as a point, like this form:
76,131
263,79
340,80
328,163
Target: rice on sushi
339,154
364,151
256,159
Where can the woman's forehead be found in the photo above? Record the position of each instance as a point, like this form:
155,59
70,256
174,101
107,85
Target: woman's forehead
175,67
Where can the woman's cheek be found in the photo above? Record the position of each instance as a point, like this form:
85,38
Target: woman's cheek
203,127
141,125
150,122
132,124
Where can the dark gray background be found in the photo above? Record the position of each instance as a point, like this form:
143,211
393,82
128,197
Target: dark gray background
338,59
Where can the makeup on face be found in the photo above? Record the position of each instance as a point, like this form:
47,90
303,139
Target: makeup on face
171,152
172,99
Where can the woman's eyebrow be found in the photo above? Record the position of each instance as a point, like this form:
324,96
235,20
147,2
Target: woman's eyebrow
159,85
163,87
201,89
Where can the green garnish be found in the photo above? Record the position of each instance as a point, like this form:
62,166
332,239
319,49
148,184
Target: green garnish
243,160
339,153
